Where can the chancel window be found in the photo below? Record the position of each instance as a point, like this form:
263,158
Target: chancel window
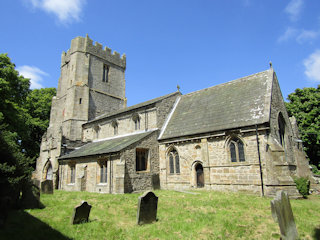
103,172
105,76
141,159
174,161
236,150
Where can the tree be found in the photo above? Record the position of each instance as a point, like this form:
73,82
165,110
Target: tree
15,165
24,117
304,105
38,105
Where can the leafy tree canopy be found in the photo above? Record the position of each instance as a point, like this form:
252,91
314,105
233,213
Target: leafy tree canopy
24,117
304,105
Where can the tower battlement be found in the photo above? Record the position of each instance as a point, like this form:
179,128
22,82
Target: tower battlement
85,45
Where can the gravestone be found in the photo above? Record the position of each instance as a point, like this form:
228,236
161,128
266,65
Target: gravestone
31,196
147,208
81,213
47,187
282,214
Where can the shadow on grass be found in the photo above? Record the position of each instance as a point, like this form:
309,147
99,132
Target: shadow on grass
21,225
316,234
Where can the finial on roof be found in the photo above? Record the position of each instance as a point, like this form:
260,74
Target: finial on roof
270,63
178,87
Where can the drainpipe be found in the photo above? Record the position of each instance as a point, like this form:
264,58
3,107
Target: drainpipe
261,176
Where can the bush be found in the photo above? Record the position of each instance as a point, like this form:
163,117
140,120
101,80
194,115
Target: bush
314,169
303,186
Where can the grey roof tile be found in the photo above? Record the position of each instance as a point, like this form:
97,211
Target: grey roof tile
239,103
107,146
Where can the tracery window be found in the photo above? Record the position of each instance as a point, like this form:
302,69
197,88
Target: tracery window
174,161
236,149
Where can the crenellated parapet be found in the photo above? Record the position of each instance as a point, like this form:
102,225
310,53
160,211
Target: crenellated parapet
85,45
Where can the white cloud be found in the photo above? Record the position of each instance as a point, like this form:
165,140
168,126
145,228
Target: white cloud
307,35
293,9
312,65
66,10
288,34
34,73
300,35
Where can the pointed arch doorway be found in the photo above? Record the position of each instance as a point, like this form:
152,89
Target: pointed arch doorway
199,175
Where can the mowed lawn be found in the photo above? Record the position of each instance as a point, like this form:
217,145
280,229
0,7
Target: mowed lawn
204,215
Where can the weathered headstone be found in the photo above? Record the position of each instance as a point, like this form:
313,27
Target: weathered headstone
81,213
47,187
31,196
147,208
282,214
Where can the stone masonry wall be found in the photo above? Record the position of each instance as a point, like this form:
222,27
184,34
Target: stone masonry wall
142,180
88,174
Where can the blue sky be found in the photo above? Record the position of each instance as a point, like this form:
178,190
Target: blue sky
195,44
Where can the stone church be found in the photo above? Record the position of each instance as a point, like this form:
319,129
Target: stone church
235,136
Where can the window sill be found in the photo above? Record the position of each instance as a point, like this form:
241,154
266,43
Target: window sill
102,184
143,171
71,184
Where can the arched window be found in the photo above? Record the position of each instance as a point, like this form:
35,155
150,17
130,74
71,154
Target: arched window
96,130
49,172
114,124
136,120
174,161
282,127
236,149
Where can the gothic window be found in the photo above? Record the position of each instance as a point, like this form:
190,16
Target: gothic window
136,120
72,178
174,161
236,149
49,172
141,159
96,131
105,76
282,127
103,172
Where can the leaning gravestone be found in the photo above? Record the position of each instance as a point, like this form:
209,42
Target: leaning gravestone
47,187
282,213
147,208
81,213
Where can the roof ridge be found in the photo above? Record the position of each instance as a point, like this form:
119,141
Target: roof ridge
145,103
222,84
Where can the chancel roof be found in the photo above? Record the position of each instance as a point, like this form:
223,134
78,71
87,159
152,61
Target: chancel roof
239,103
111,145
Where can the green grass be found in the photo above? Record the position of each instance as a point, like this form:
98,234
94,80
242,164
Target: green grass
207,215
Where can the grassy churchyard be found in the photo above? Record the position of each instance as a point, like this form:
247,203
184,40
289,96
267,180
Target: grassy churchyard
205,215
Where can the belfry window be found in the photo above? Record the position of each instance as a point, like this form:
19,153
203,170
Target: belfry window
236,149
141,159
174,161
105,76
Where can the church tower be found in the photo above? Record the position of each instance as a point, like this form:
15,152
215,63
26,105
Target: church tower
92,82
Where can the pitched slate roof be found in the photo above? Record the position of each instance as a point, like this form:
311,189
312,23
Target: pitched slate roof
139,105
239,103
107,146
